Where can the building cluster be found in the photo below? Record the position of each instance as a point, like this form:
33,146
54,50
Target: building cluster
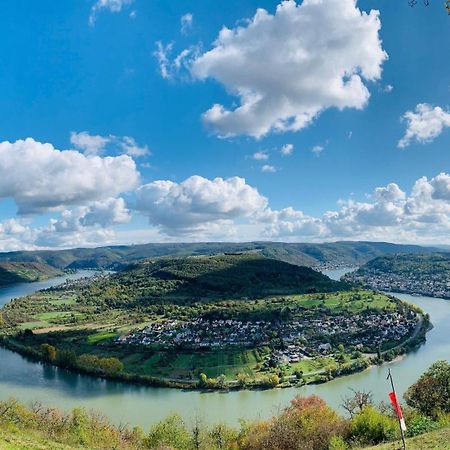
431,285
298,338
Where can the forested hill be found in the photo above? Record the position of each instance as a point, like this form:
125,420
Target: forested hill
181,280
336,254
18,272
424,274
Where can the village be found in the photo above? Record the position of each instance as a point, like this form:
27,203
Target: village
431,285
293,340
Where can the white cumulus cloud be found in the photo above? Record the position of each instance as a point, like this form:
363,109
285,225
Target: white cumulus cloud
198,204
424,124
41,178
96,145
288,67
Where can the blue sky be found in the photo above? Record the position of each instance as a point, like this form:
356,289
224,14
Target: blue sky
82,66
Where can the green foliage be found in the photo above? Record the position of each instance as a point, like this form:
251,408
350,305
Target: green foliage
307,424
337,443
431,393
419,424
372,427
171,432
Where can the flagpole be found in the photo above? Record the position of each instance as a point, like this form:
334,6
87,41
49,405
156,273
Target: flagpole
389,377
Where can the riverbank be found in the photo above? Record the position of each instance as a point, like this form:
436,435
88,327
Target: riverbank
272,380
143,406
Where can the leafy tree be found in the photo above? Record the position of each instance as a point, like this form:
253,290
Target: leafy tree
66,358
203,379
431,393
170,432
48,352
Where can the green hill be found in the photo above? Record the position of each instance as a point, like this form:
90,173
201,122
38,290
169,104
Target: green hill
210,277
312,255
20,272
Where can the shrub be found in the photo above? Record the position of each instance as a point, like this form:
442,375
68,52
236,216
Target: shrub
372,427
307,424
170,432
337,443
420,424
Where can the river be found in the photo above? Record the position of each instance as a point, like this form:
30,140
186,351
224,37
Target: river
138,405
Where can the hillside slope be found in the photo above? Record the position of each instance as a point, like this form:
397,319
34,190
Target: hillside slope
312,255
20,272
209,277
436,440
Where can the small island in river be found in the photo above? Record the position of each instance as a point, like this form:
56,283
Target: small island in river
212,322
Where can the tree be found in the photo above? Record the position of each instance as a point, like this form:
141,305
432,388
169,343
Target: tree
431,393
171,432
273,380
357,402
203,379
221,381
66,358
48,352
307,424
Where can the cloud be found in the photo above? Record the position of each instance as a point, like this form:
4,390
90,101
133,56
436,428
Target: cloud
96,145
198,205
170,67
261,156
388,88
317,149
113,6
424,124
83,226
41,178
186,22
89,144
287,149
390,214
288,67
267,168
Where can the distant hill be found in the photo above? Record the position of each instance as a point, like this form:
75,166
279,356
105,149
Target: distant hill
188,279
326,255
19,272
424,274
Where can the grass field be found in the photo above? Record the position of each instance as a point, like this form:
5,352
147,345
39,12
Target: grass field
437,440
15,440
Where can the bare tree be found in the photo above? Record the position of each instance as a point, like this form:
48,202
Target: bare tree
357,402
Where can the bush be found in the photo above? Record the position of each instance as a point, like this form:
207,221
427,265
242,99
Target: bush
431,393
170,432
337,443
372,427
419,424
307,424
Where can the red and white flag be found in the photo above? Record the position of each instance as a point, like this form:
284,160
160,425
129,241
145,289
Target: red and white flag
398,410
